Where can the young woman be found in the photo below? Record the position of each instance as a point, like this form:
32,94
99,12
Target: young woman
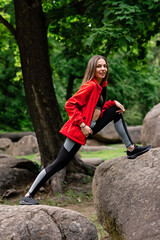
88,113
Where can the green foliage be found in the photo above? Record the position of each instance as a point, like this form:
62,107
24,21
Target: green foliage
77,30
138,90
62,69
126,25
7,11
68,26
13,108
137,87
122,31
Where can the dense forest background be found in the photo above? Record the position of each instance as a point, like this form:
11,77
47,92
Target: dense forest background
126,32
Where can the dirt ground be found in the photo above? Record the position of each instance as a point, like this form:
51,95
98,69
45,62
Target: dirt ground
86,209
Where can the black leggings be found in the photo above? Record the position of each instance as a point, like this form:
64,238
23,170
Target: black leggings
70,148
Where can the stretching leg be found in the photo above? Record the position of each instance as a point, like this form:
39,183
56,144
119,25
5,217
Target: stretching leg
121,128
109,115
66,153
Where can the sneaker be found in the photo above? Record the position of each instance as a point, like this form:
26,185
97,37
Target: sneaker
137,151
28,201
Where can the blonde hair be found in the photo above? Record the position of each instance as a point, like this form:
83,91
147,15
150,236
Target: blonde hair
91,68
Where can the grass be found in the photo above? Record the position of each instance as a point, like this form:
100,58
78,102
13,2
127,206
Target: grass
32,157
70,197
115,150
102,234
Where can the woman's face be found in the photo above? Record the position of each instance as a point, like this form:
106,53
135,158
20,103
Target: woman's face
101,70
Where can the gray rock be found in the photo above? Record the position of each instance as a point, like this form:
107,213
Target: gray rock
15,172
93,161
5,143
109,135
25,146
93,142
150,133
16,136
44,223
127,196
135,133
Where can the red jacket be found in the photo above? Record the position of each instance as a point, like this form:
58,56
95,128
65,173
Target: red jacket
80,108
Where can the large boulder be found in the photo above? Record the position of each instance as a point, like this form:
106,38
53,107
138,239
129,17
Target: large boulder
25,146
109,135
127,196
150,133
135,133
15,172
44,223
5,143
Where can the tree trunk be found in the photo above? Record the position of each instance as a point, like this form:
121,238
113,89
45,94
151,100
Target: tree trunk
31,35
41,99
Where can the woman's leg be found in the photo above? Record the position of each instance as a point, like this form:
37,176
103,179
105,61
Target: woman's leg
66,153
110,114
120,126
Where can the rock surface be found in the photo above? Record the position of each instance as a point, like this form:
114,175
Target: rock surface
44,223
93,142
5,143
25,146
127,196
108,134
15,171
93,161
150,133
135,133
16,136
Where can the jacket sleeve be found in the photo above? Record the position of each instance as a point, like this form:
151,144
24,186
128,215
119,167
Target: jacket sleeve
107,104
77,101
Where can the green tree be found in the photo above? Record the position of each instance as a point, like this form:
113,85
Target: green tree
126,25
31,36
107,27
119,29
13,108
137,89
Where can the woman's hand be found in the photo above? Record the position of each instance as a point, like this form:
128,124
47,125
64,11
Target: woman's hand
120,106
86,131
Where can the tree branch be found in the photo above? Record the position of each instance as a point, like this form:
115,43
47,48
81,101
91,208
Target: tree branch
8,25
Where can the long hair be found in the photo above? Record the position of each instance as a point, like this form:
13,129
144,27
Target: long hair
91,68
